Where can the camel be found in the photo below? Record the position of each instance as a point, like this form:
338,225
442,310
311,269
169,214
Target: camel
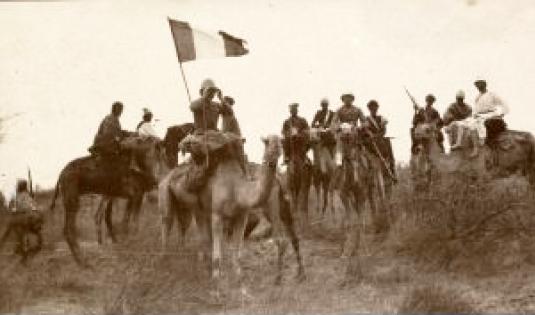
299,176
82,176
175,202
513,153
227,198
323,170
360,180
172,138
23,225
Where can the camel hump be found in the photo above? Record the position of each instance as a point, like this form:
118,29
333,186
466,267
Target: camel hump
210,140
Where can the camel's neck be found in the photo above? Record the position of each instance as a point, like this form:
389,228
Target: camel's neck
258,191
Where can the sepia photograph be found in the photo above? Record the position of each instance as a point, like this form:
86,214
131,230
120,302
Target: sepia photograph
267,157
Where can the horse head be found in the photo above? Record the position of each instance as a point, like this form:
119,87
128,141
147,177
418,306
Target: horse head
173,137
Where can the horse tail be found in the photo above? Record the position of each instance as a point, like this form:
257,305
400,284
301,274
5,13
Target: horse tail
56,193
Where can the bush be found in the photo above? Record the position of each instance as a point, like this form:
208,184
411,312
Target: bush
435,299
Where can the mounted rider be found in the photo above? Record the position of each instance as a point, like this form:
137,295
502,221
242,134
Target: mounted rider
428,115
375,126
107,149
489,110
295,129
207,143
145,128
456,115
230,124
322,120
347,114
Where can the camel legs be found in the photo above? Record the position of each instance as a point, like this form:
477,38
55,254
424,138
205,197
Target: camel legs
165,207
109,221
104,210
217,239
239,224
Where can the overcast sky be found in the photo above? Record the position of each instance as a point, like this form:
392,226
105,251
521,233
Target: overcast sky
62,64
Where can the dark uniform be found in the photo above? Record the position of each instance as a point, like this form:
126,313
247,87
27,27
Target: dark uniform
106,141
457,112
348,114
376,128
295,126
431,116
323,118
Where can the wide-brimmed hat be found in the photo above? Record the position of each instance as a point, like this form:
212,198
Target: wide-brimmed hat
293,105
324,101
347,95
460,94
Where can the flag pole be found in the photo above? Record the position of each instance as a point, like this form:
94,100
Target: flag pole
180,61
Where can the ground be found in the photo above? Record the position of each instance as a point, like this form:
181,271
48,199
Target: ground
135,276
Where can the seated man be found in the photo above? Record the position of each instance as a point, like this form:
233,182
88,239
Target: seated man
207,142
456,116
375,126
427,115
295,127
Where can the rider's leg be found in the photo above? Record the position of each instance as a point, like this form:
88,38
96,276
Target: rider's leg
459,138
475,142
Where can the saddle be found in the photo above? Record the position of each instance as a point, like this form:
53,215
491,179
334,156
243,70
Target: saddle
207,150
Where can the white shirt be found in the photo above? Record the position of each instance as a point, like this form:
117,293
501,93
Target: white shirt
488,105
147,130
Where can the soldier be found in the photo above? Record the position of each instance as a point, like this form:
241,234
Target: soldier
295,126
348,113
26,218
456,114
145,128
110,133
231,125
324,116
428,115
205,110
375,125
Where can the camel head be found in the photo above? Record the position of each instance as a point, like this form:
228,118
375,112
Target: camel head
273,150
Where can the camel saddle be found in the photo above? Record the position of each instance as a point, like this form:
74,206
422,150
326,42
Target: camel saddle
207,150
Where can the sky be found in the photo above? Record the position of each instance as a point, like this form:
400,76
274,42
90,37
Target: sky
63,63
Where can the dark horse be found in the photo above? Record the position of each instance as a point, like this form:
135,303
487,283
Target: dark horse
173,136
83,176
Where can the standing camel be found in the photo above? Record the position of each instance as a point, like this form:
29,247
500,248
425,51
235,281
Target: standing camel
360,180
299,177
323,169
227,198
82,176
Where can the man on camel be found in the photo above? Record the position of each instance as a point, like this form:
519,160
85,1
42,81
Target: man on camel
295,126
428,115
323,119
456,114
489,111
375,126
230,124
145,128
346,114
207,139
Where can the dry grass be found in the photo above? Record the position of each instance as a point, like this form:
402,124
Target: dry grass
469,235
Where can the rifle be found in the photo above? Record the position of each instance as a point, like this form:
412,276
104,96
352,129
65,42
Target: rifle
415,105
30,184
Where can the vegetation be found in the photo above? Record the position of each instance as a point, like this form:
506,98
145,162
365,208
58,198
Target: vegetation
461,247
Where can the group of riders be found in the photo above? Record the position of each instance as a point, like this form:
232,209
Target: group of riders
206,141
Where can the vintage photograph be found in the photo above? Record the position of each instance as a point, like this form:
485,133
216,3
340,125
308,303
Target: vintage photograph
267,157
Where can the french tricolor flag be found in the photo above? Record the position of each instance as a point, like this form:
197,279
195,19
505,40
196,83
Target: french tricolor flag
194,44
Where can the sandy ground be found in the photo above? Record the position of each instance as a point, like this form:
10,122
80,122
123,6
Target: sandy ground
135,276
